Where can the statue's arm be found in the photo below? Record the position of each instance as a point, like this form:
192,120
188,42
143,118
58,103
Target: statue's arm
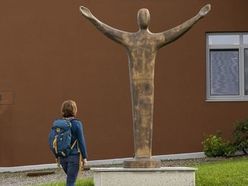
174,33
114,34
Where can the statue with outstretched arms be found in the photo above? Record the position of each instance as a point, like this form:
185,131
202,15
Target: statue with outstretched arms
142,47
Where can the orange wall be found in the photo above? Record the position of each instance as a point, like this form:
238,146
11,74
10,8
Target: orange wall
49,53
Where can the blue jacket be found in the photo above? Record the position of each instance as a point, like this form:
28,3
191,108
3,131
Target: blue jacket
78,134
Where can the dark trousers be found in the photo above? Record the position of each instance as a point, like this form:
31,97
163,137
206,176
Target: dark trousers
70,165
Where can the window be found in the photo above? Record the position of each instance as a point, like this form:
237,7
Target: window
227,67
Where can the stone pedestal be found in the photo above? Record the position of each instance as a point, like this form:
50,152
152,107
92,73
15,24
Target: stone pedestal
165,176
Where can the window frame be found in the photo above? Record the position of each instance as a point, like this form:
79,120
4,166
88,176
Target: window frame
240,47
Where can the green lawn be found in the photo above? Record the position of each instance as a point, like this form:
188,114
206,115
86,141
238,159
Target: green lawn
229,172
80,182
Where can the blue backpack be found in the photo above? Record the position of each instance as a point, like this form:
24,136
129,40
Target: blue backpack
60,138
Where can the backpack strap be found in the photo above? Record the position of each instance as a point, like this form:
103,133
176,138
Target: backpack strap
73,144
55,146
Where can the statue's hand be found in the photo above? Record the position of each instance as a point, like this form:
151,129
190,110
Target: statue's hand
85,11
204,10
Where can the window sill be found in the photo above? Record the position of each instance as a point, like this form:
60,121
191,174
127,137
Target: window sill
226,99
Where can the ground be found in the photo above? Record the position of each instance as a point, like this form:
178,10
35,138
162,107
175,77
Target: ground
21,178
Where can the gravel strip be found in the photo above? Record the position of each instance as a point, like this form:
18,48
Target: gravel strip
20,178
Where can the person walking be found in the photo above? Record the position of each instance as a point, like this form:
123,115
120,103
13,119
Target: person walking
76,157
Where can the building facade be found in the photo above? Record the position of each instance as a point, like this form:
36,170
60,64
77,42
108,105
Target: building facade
50,53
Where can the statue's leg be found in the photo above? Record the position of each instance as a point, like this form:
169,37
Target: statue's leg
142,91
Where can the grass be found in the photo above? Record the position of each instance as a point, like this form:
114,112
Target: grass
229,172
80,182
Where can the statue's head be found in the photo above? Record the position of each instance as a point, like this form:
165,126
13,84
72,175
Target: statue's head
143,18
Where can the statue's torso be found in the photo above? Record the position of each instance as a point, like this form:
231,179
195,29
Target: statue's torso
142,49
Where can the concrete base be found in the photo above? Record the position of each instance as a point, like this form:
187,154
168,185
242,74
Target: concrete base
165,176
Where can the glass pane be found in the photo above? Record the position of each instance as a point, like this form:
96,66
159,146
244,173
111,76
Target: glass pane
246,70
245,39
224,72
223,39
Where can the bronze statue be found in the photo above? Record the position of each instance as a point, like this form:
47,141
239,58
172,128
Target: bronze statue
142,47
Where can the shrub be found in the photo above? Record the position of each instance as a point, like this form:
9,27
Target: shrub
240,136
214,145
229,149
